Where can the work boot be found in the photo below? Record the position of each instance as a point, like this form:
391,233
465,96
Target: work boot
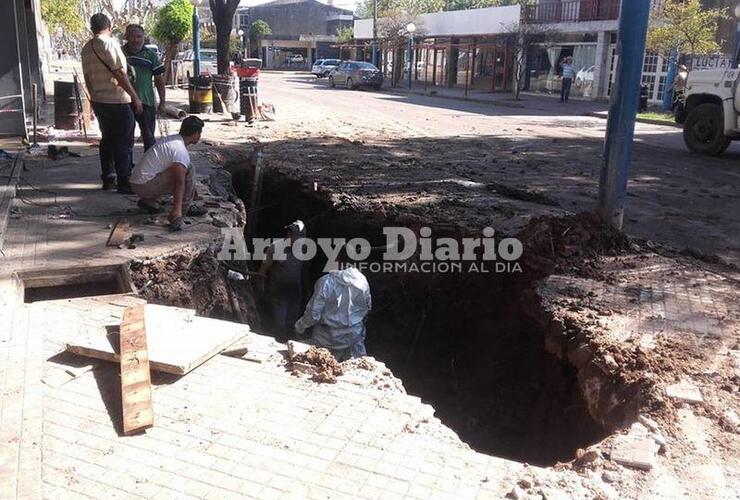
176,225
196,210
109,184
150,208
123,187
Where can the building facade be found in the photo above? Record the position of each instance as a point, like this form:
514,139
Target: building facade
302,31
20,64
469,49
464,48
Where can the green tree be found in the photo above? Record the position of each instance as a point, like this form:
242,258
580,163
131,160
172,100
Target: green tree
172,27
62,15
684,26
480,4
518,37
413,7
395,7
257,30
345,34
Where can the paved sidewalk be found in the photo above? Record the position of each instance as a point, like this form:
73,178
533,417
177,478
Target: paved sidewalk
61,218
528,100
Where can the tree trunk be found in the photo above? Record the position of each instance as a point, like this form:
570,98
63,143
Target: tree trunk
222,49
223,17
169,56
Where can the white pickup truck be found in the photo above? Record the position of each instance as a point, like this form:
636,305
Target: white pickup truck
711,110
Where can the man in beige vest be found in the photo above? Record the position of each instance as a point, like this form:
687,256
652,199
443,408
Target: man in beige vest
113,97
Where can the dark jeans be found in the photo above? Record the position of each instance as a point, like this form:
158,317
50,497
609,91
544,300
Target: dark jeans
117,138
147,121
285,305
565,90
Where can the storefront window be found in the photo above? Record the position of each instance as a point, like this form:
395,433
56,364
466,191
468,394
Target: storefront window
546,74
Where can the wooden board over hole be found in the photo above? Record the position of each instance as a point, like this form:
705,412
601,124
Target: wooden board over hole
136,384
177,339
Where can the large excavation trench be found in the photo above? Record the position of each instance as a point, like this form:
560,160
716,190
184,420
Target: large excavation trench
464,342
469,344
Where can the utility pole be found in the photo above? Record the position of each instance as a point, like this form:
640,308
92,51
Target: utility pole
669,79
196,39
736,53
620,129
375,34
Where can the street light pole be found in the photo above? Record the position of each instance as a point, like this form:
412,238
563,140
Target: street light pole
410,28
241,42
737,36
620,129
196,39
375,34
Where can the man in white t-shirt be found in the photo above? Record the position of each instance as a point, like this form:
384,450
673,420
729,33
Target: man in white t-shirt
165,169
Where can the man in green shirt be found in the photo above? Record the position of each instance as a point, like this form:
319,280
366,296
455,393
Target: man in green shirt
147,66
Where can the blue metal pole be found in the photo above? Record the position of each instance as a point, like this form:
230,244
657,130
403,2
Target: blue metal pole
374,48
411,57
670,77
620,127
196,42
737,44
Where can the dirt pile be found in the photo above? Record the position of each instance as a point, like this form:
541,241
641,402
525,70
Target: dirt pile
570,244
324,366
193,279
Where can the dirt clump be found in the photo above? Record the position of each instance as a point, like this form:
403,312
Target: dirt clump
571,245
325,367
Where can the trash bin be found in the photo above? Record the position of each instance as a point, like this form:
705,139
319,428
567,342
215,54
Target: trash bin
248,97
642,107
200,94
227,88
66,108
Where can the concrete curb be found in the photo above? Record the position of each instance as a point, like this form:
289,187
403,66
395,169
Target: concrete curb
640,120
453,97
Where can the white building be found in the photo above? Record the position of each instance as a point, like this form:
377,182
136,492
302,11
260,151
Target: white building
467,48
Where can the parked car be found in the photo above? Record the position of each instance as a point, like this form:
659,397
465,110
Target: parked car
208,63
353,74
296,59
155,48
585,76
323,67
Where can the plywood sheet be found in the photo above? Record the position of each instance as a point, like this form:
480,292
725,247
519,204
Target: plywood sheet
177,339
136,383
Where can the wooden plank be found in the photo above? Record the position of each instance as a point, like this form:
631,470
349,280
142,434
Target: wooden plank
136,384
177,340
119,233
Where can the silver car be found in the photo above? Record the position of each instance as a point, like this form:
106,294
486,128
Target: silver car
323,67
353,74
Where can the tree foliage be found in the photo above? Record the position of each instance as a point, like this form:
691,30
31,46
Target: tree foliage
223,17
394,7
345,34
518,37
172,26
122,14
173,22
62,15
414,7
257,29
684,26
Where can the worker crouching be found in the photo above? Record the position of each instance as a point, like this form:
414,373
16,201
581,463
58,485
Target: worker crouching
337,311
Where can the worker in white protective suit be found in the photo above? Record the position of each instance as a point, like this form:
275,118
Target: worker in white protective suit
337,310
